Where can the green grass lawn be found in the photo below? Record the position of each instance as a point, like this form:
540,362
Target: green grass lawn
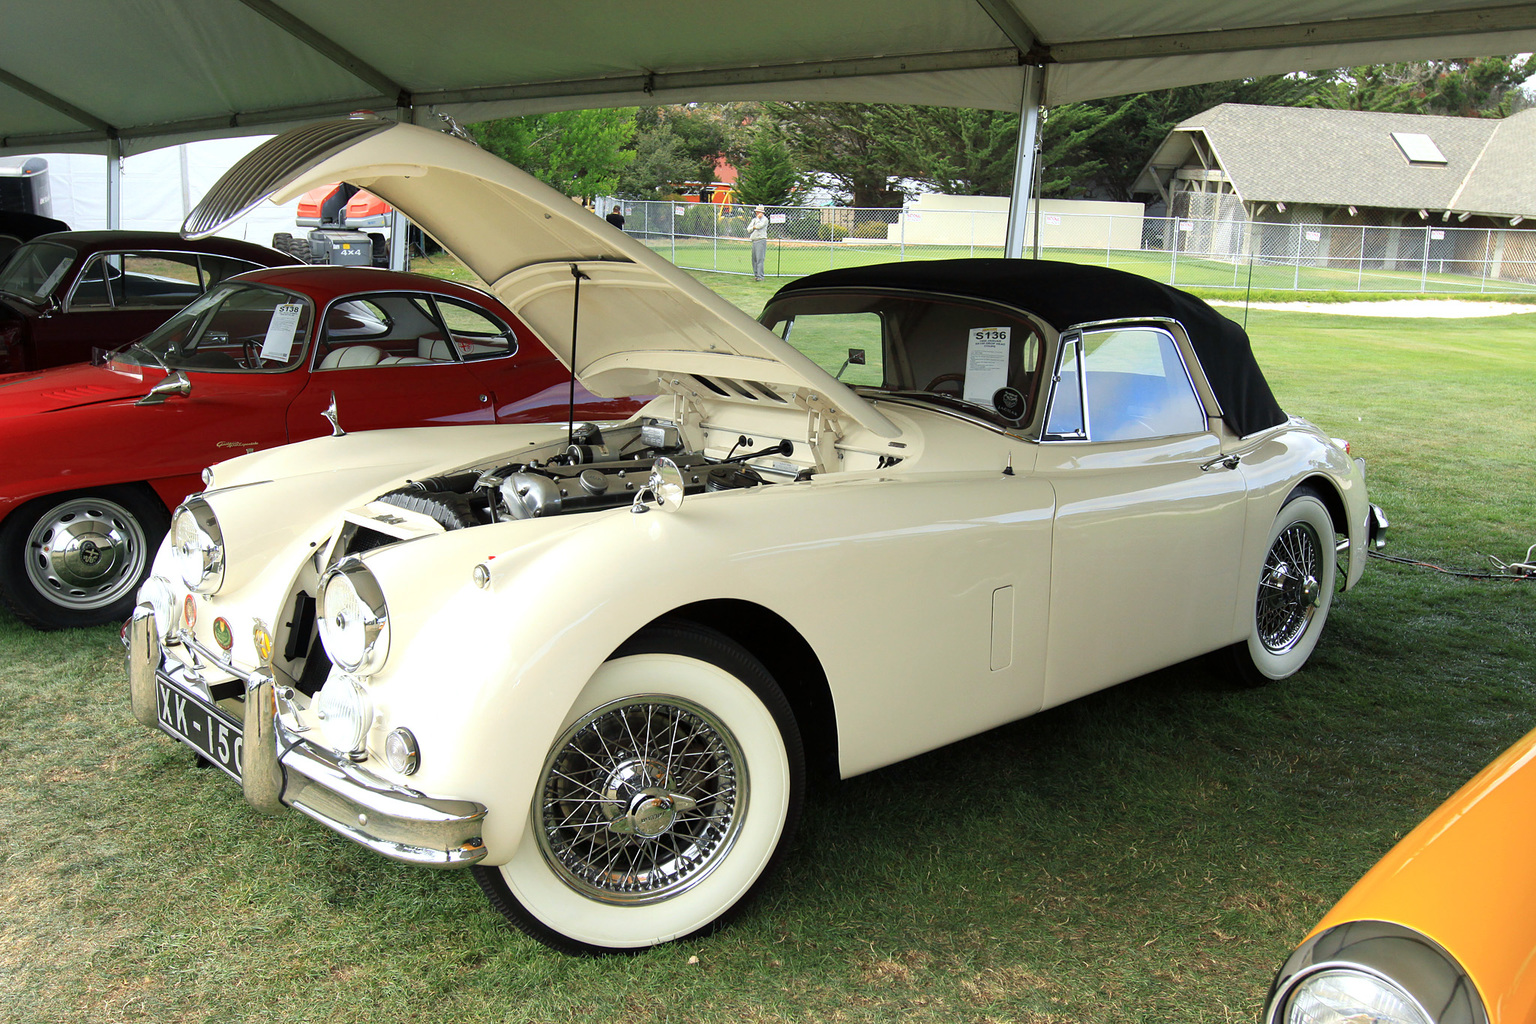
1149,853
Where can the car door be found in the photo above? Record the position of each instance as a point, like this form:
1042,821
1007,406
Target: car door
388,359
117,297
527,383
1149,517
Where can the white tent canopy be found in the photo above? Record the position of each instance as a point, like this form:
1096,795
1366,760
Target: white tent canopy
121,76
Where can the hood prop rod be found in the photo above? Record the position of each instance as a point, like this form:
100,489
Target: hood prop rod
570,420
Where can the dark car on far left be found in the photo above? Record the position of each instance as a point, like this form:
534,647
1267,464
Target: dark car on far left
64,294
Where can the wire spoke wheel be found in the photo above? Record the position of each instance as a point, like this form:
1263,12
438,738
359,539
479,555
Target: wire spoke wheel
1295,590
1289,588
641,799
669,791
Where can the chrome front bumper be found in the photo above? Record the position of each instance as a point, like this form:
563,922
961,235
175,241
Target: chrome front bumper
1376,528
279,767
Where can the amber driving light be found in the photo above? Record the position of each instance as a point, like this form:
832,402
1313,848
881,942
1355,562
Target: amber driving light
401,752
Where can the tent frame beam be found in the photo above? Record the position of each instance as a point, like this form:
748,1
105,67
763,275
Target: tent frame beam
332,51
1389,28
100,129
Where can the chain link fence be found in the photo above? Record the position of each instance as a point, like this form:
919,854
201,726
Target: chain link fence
1208,242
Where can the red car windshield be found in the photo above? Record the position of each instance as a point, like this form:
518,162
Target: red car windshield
235,327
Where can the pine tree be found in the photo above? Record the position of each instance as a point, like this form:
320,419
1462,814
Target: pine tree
769,177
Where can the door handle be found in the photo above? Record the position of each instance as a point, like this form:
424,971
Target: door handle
1225,462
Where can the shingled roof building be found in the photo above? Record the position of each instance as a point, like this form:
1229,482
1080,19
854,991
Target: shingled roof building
1328,188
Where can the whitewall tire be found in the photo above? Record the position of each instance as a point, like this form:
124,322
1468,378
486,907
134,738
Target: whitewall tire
673,787
1295,591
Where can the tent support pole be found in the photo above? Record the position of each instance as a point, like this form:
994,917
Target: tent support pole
1024,161
114,183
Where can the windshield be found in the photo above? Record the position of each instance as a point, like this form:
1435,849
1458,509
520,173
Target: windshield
236,326
35,269
958,352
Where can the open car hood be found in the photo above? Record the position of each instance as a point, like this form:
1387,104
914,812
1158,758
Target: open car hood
642,325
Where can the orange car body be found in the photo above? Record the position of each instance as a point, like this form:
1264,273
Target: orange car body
1464,880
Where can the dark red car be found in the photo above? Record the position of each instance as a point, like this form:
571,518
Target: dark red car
64,294
96,455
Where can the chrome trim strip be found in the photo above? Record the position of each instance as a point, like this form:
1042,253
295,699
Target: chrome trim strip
273,165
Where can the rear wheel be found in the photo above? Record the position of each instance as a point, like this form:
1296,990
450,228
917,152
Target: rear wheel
77,559
673,788
1295,591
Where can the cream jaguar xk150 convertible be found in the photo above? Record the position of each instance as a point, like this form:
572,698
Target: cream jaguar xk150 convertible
591,661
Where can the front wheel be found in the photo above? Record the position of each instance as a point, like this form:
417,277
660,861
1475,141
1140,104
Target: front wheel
1295,591
674,786
77,559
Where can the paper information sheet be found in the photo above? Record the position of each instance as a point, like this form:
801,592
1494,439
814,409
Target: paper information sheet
278,344
986,364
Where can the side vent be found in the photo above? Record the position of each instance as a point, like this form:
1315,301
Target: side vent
716,388
768,392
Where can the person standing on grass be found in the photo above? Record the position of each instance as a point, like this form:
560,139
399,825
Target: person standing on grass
757,234
616,216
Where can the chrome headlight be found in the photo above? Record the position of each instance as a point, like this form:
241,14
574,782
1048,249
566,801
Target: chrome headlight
354,621
197,546
158,593
1373,971
1344,995
345,710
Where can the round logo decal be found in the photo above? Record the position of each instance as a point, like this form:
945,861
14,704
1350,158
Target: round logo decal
222,634
90,554
189,611
1009,402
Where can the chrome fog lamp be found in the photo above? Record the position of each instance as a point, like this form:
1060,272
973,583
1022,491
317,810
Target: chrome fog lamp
354,621
345,710
159,594
1343,995
401,751
197,546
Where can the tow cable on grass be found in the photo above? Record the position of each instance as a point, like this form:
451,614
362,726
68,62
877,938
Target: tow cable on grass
1502,570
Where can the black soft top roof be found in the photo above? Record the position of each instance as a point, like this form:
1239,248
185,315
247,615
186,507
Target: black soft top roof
1067,294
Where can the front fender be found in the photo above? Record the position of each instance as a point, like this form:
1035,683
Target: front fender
484,677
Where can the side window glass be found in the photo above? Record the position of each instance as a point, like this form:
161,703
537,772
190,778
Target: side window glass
472,332
158,279
1137,386
1065,422
219,268
353,334
98,284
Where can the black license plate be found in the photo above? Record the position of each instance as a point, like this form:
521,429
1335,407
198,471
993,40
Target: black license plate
206,729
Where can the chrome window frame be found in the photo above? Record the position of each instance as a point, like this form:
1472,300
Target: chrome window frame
1172,329
415,296
191,259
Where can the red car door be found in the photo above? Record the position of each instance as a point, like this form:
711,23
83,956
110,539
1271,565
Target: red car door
387,360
